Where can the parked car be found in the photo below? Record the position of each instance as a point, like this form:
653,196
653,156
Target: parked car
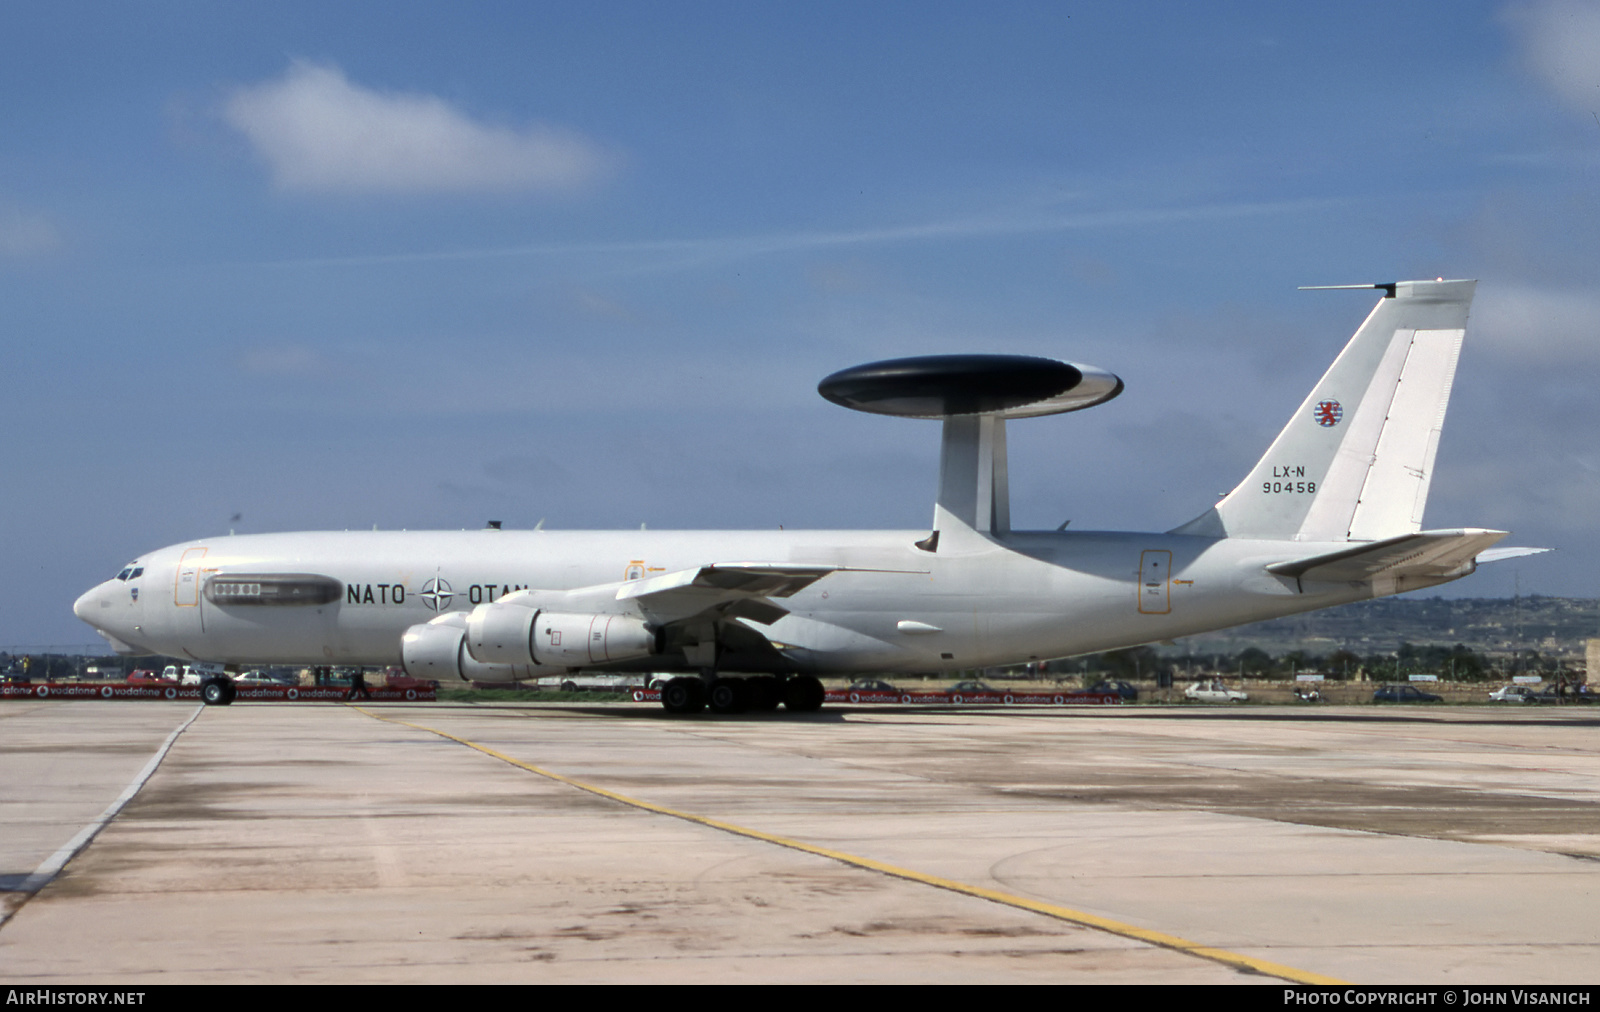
1404,694
260,678
144,676
1128,692
871,685
1214,692
969,688
188,676
1514,694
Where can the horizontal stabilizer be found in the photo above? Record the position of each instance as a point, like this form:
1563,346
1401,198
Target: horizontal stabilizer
1426,554
1501,554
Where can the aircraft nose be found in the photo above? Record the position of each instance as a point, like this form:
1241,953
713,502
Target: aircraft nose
85,606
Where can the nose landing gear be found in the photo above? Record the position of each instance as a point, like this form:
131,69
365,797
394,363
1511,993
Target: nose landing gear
218,691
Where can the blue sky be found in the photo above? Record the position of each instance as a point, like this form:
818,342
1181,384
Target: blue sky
336,265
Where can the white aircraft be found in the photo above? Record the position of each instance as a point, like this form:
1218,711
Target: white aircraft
1331,514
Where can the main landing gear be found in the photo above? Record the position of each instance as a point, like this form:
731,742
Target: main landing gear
218,691
801,693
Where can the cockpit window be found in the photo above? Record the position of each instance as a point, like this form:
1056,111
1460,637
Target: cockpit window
138,571
127,572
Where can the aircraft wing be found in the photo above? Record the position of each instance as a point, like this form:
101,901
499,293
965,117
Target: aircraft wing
736,589
1424,554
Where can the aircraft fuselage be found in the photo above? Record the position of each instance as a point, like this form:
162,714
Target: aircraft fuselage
891,607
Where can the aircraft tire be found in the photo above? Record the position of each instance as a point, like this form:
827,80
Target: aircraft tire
683,695
214,692
803,694
765,693
728,695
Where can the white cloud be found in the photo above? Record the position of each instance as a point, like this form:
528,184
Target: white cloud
24,234
1560,39
319,132
1538,326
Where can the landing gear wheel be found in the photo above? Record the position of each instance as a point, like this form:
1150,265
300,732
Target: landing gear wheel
764,692
683,695
728,695
217,692
803,694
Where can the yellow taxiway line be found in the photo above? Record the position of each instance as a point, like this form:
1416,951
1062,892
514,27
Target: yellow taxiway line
1060,913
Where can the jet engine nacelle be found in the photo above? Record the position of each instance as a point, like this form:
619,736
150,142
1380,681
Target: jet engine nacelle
577,639
437,650
514,633
501,633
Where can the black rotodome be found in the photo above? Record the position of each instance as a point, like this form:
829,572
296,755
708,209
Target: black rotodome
936,386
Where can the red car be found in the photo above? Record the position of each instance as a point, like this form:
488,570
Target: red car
402,682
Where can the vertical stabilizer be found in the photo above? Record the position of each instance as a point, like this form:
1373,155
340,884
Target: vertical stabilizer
1356,460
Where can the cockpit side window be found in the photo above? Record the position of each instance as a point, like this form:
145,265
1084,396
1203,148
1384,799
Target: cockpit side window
138,571
126,572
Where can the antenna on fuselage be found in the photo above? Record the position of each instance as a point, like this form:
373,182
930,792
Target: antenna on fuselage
973,395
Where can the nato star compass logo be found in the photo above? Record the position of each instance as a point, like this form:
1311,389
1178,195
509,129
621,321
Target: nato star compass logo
436,594
1327,413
